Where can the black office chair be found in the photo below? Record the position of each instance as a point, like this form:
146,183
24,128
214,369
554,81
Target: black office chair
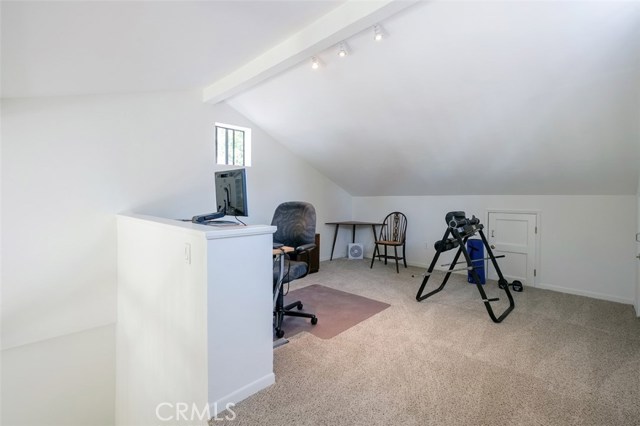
392,234
296,222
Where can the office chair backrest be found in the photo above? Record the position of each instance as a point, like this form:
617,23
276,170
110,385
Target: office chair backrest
296,222
395,227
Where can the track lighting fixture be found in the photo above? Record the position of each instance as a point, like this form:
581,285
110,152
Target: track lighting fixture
377,32
342,50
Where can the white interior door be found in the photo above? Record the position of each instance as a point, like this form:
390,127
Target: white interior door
513,235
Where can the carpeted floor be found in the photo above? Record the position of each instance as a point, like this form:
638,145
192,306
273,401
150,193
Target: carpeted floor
557,359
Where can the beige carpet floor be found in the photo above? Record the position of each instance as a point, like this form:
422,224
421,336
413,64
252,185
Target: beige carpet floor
557,359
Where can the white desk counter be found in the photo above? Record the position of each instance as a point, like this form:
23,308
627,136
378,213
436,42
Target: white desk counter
194,317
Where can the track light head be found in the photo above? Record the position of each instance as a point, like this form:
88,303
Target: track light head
342,50
378,34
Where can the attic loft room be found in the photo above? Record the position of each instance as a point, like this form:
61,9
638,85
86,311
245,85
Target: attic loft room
117,118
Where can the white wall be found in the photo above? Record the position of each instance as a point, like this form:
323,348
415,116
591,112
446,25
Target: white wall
637,252
68,166
61,381
277,175
585,240
1,269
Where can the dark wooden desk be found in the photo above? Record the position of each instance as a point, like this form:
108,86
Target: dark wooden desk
352,223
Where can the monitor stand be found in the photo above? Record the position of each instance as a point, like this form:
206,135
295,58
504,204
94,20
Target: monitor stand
221,223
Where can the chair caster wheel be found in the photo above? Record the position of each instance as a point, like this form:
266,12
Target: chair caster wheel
517,286
299,306
279,334
314,320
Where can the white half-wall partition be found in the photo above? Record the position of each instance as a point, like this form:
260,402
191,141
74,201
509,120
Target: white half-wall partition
195,312
586,242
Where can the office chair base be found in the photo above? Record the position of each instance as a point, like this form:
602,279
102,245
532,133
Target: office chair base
312,317
288,311
290,306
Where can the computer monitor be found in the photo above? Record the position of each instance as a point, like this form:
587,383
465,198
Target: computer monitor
231,192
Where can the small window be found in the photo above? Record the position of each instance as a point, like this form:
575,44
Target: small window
233,145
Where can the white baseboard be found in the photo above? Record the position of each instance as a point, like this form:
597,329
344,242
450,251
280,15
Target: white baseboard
242,393
586,293
577,292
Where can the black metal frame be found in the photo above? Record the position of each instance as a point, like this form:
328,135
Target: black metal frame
460,233
280,310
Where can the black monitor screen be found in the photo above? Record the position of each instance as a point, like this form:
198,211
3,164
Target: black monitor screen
231,192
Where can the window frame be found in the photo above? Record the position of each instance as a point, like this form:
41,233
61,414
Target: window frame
231,132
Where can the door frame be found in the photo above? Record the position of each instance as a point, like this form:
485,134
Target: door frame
537,252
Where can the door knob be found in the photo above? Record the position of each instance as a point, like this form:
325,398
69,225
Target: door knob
494,247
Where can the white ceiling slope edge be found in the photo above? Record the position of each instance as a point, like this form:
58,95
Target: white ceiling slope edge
470,98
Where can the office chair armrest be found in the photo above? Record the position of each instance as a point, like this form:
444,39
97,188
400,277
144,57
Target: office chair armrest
305,247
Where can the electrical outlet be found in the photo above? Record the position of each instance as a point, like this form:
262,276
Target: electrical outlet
187,253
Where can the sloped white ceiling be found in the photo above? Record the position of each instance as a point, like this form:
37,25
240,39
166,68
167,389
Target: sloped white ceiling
61,48
470,98
479,97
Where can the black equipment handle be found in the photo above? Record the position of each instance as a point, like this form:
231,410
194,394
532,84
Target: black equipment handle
445,245
461,222
458,215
